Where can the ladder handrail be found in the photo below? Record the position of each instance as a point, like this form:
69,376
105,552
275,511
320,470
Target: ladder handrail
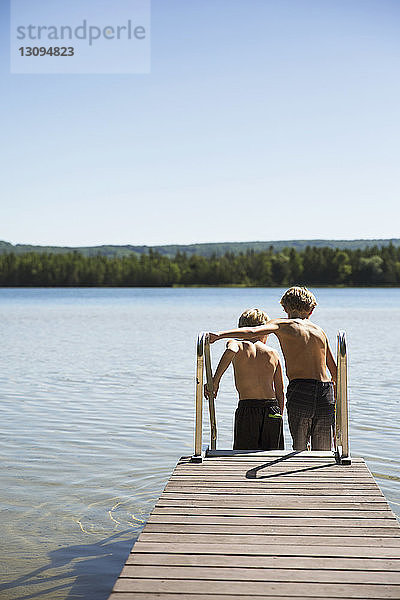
204,362
342,424
210,392
198,430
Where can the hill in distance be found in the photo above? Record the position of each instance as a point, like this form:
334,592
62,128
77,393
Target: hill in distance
206,249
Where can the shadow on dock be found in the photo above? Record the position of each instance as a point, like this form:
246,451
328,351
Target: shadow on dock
252,473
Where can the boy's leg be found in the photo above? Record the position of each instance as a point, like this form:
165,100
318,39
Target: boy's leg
248,423
324,418
272,429
321,432
300,429
300,410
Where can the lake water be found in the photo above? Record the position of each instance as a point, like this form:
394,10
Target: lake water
97,395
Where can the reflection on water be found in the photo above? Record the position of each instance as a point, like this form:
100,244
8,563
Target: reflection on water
97,398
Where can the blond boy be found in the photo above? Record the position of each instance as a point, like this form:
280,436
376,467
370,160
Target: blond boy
310,397
259,382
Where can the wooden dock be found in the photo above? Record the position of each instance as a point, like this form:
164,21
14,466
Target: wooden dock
266,525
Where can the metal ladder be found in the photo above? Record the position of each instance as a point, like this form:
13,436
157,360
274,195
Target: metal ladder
203,363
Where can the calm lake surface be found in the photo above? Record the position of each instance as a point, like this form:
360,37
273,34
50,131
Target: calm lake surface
97,395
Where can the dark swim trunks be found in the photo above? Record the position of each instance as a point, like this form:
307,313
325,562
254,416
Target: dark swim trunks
258,425
311,413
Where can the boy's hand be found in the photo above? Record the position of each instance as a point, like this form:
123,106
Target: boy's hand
214,392
213,337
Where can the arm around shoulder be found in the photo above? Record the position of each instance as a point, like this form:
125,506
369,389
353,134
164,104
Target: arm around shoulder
242,333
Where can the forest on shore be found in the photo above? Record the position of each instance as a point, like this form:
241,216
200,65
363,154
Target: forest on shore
374,266
202,249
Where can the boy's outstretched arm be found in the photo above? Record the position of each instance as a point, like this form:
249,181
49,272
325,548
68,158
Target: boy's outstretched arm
223,364
245,333
278,386
331,363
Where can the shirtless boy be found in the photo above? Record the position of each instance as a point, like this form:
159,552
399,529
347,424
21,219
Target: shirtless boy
310,394
259,382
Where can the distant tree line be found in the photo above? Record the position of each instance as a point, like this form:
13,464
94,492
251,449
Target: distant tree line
204,249
376,266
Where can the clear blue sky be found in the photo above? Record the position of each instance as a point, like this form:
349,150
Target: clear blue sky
260,120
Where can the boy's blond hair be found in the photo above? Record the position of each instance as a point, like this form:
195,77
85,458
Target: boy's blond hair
253,317
298,299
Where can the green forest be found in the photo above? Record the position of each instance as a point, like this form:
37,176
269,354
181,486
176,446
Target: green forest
374,266
204,249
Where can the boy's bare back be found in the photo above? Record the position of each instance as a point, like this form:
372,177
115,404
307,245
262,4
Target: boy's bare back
305,348
254,366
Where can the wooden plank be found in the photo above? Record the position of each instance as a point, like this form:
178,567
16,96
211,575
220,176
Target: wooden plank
168,596
265,491
238,464
274,463
257,467
384,512
258,588
287,454
272,521
277,480
282,466
281,562
279,488
283,505
282,458
259,470
271,490
301,468
289,478
267,500
244,474
277,530
271,484
266,456
250,476
246,495
275,483
273,479
253,574
268,549
289,464
320,540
